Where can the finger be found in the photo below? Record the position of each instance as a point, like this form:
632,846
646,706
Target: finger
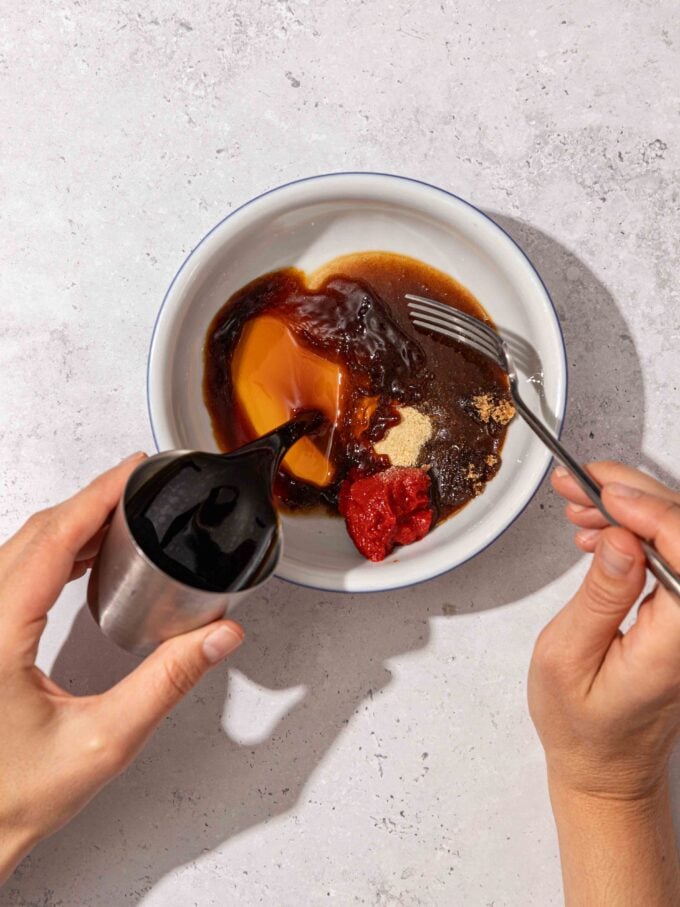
587,517
654,639
649,516
79,569
50,543
137,703
91,548
587,539
11,552
590,621
605,472
56,538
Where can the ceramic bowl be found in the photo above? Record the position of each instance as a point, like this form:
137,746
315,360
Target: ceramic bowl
304,224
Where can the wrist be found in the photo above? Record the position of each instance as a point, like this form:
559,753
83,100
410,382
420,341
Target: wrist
624,794
616,848
606,814
585,778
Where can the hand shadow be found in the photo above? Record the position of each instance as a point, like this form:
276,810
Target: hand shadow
195,787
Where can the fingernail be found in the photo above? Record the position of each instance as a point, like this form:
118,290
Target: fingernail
134,456
561,472
577,508
614,562
620,490
220,643
585,536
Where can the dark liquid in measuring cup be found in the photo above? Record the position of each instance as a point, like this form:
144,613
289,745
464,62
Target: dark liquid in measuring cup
209,527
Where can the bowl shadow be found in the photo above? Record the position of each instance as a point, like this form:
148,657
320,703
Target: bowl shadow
195,786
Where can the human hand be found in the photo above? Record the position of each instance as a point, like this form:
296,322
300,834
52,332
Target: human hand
58,750
607,705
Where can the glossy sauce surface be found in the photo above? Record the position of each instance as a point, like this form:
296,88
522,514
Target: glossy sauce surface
341,341
209,525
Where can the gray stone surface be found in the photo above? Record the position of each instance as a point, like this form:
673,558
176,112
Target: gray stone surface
358,750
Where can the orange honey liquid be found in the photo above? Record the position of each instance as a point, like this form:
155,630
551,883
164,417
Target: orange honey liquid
275,376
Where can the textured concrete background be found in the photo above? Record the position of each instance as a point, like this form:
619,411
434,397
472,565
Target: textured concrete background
371,750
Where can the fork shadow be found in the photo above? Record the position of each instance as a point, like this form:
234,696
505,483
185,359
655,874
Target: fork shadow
196,785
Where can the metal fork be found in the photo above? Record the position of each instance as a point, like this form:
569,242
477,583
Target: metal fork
444,319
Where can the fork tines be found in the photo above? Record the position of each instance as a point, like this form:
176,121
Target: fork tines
444,319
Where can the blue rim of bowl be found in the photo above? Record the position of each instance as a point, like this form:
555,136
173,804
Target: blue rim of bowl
406,179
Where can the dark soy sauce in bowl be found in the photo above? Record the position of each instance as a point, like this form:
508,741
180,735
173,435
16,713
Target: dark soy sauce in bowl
353,312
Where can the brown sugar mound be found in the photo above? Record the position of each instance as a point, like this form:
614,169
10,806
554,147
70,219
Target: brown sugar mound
490,408
403,443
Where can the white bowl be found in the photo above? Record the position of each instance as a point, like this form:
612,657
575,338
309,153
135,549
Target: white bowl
305,224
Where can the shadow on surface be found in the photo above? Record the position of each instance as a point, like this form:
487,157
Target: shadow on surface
195,787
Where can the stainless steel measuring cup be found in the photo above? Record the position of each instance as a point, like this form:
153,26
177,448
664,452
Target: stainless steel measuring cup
136,604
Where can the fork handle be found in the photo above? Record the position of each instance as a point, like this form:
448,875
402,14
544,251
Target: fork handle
658,565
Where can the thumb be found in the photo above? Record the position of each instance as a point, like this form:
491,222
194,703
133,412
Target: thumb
610,589
136,704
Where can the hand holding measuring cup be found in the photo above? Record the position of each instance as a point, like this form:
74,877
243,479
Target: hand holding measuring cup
58,750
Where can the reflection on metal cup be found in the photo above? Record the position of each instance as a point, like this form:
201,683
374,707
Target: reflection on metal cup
138,605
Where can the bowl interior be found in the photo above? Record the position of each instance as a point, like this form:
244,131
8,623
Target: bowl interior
305,224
